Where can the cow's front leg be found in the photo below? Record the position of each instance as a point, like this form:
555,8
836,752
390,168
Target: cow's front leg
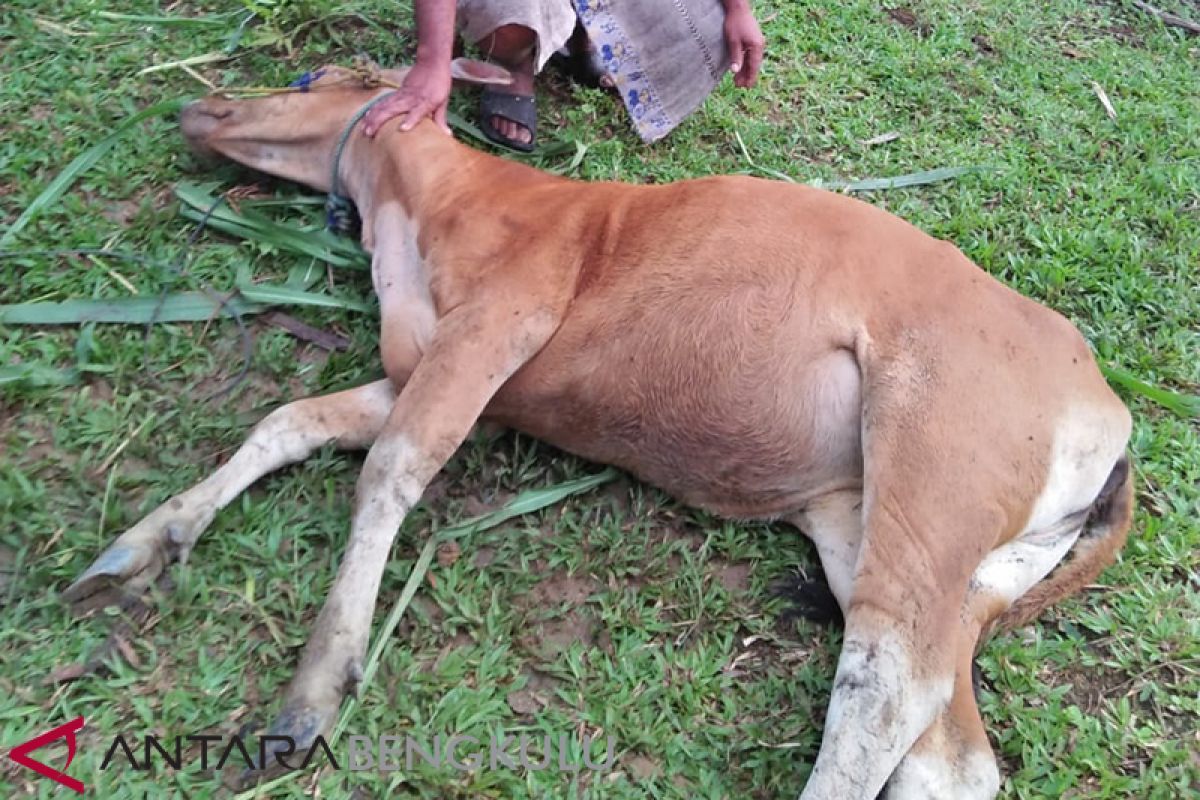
473,352
130,565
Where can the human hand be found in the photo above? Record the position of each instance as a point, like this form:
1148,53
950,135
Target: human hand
424,92
745,43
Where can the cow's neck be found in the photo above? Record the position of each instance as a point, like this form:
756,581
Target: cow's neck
419,172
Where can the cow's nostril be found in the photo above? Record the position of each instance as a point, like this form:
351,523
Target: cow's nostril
217,113
205,108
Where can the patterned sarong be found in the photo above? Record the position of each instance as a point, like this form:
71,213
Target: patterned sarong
664,56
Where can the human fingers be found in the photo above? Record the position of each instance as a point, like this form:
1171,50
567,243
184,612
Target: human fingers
385,110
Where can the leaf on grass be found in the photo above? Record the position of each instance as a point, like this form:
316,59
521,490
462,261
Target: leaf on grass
235,37
37,375
250,225
83,162
276,295
298,200
126,650
50,26
206,58
1102,96
177,307
882,138
151,19
899,181
65,673
866,184
524,503
321,338
577,159
1185,405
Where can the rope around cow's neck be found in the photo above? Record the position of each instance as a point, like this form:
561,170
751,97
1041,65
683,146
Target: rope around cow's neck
340,216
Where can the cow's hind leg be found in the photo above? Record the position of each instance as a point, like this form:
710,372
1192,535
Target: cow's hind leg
349,419
896,671
953,760
835,524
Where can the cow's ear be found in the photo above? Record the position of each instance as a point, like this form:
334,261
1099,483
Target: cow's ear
468,70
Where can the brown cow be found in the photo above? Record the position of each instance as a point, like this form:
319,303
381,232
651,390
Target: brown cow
760,349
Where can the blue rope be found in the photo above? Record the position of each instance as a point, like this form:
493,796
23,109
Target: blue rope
340,214
305,81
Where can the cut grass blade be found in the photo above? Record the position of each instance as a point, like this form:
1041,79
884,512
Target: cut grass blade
82,163
151,19
774,173
286,239
194,61
525,503
50,26
267,202
550,150
179,307
276,295
250,225
37,375
866,184
900,181
581,150
1185,405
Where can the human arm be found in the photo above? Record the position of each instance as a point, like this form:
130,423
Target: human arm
744,41
425,90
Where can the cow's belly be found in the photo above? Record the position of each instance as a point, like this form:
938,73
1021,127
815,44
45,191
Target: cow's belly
741,427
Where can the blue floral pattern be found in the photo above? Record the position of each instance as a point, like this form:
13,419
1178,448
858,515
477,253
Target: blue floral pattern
622,63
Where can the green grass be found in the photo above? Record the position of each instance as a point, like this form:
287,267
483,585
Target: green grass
618,610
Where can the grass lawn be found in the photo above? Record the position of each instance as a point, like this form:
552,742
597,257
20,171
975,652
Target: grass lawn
618,609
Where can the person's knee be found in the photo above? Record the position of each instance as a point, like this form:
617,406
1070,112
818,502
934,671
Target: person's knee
509,43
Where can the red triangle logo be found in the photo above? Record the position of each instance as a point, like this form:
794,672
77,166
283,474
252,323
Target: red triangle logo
20,753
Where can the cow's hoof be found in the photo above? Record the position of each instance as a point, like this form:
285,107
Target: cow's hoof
287,743
122,572
134,561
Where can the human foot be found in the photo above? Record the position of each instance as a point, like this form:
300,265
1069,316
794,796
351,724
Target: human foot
508,116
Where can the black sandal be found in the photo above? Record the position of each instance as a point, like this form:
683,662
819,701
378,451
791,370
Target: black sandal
518,108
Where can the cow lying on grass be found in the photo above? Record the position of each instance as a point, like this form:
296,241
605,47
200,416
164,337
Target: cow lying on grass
756,348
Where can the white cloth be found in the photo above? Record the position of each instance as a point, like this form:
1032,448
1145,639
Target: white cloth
664,56
552,20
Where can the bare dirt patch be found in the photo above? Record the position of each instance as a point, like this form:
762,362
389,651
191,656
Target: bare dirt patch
537,693
561,588
642,767
1091,687
121,212
908,18
549,636
734,577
